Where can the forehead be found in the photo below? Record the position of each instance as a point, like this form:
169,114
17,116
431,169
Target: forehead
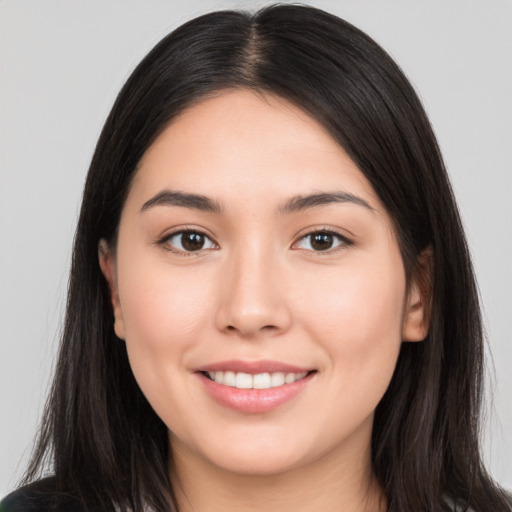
242,145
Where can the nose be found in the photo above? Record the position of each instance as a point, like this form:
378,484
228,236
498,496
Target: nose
253,301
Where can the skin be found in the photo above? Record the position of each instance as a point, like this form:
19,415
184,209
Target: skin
259,290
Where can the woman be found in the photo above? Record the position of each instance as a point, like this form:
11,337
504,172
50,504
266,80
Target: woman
271,301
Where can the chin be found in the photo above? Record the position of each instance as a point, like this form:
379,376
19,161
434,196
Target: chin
259,455
262,464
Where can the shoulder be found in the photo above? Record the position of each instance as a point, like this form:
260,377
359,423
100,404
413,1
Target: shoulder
40,496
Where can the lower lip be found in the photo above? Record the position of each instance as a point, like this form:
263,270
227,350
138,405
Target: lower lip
254,401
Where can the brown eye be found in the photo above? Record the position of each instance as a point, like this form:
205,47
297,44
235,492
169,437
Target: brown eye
322,241
190,241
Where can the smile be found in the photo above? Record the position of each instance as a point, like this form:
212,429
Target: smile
254,387
243,380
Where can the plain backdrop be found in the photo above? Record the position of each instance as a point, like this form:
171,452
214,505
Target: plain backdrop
61,66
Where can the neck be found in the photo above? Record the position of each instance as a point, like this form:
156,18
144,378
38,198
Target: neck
328,484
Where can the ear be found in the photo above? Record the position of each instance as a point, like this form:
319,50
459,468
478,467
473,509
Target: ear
418,304
108,268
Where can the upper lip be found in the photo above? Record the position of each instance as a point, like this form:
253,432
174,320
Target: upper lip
252,367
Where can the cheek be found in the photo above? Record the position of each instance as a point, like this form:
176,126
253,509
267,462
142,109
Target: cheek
164,311
158,298
356,314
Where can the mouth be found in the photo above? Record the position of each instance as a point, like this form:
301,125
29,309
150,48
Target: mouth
266,380
254,387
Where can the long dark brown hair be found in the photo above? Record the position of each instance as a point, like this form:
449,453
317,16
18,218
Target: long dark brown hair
99,435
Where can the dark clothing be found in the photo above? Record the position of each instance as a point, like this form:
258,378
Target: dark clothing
41,496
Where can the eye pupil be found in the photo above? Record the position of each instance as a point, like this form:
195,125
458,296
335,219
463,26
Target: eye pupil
321,241
192,241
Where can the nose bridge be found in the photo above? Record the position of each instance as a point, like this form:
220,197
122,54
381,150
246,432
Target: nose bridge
252,295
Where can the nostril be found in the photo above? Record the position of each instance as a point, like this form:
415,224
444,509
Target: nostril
264,328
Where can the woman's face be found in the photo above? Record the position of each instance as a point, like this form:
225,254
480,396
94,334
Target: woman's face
252,251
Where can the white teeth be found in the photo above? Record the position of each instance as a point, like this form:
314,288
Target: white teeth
229,378
289,378
277,379
243,380
261,381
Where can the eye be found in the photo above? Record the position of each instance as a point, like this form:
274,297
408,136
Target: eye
321,241
188,241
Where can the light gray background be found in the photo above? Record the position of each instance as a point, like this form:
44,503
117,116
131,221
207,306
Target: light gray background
61,65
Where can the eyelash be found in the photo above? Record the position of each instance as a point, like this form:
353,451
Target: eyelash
164,242
343,241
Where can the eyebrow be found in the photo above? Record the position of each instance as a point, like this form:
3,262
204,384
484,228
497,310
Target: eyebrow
186,200
300,203
292,205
